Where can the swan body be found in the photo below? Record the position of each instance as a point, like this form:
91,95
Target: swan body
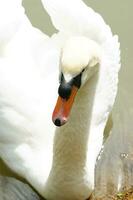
58,162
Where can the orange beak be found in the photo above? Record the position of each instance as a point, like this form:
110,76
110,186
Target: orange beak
63,108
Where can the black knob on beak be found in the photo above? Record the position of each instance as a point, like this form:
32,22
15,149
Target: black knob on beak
65,90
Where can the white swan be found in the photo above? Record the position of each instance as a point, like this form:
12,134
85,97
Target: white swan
59,163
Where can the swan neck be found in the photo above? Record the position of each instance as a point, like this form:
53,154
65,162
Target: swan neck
71,140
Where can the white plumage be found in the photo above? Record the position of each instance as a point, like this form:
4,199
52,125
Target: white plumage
60,162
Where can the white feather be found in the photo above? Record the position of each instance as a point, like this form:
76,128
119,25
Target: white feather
75,18
29,62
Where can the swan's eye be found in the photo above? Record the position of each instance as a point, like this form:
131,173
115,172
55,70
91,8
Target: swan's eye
83,70
77,80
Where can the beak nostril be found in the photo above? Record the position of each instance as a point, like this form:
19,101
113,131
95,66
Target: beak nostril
57,122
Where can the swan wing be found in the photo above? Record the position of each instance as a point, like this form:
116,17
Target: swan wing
11,16
19,39
74,17
28,65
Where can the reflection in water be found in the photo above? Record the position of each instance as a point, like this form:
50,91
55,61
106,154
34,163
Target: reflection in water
114,169
127,171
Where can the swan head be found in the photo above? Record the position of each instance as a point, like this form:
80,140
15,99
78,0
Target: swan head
79,59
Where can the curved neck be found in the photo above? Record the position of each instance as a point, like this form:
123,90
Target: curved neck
74,136
70,159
